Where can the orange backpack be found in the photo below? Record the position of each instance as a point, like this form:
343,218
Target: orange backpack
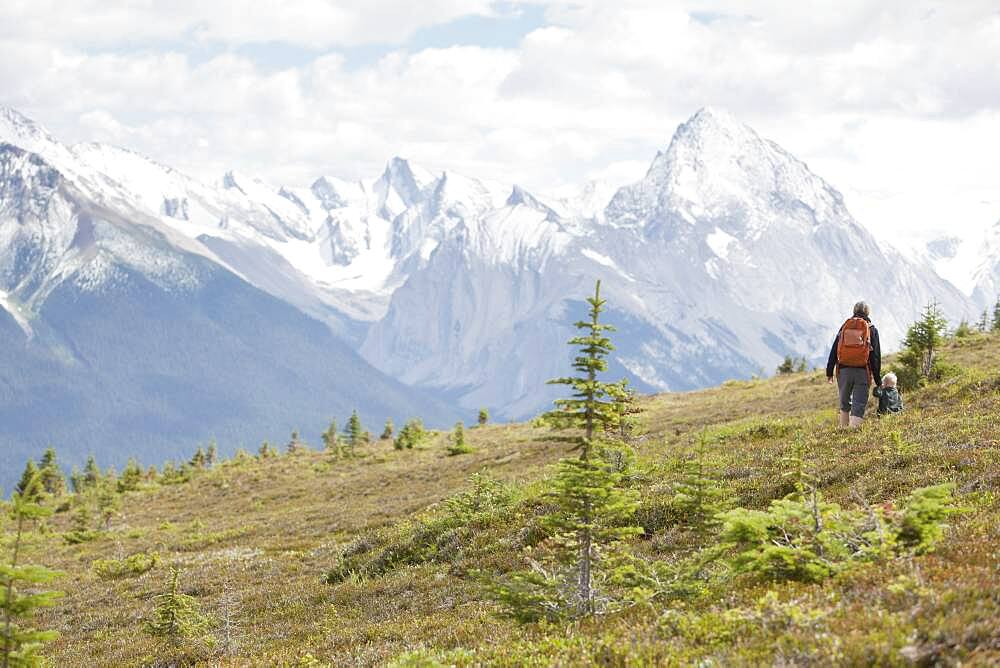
854,343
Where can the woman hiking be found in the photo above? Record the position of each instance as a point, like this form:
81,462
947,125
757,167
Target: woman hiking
856,360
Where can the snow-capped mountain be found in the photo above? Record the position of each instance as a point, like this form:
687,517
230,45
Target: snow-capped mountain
972,264
121,334
727,255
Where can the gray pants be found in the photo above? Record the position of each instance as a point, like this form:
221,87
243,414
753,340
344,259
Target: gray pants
853,385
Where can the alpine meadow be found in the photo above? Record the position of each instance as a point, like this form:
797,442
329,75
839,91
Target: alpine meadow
499,333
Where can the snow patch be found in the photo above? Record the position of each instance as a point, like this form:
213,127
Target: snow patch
720,243
606,261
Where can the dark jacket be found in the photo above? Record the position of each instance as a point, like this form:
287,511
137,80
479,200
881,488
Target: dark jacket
889,400
874,356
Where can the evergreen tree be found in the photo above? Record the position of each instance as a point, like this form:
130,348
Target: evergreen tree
354,430
52,478
27,486
176,616
996,316
91,473
20,597
81,525
457,445
963,330
212,454
921,346
984,322
698,495
623,427
592,511
294,445
331,440
388,431
131,477
199,459
484,416
108,501
411,435
266,450
76,480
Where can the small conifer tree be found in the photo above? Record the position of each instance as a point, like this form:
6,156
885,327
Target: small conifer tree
294,444
131,477
76,482
996,316
354,431
457,444
108,501
331,440
592,511
27,486
698,495
963,330
212,453
388,431
20,597
81,524
51,475
176,616
484,416
91,473
921,346
198,459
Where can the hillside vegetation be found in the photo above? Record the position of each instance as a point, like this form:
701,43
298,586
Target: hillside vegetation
389,556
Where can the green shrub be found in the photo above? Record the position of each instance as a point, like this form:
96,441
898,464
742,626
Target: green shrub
131,566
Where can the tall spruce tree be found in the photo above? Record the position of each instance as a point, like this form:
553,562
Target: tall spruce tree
20,597
996,316
592,511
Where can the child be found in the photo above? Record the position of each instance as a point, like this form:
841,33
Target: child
889,400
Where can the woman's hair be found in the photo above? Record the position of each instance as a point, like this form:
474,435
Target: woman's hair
889,380
862,310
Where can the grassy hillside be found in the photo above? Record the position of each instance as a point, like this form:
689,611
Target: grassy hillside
256,540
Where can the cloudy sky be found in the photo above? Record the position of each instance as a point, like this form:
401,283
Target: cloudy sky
896,103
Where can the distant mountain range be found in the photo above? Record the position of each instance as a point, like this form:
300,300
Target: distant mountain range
142,310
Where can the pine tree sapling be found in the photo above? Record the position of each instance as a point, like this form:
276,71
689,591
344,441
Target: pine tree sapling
457,444
91,473
484,416
20,597
388,431
52,478
176,616
698,496
354,431
921,346
131,477
996,316
30,486
331,440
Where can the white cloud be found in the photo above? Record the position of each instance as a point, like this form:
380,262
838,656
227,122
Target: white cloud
895,103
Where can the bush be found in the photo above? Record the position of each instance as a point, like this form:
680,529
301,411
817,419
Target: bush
131,566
